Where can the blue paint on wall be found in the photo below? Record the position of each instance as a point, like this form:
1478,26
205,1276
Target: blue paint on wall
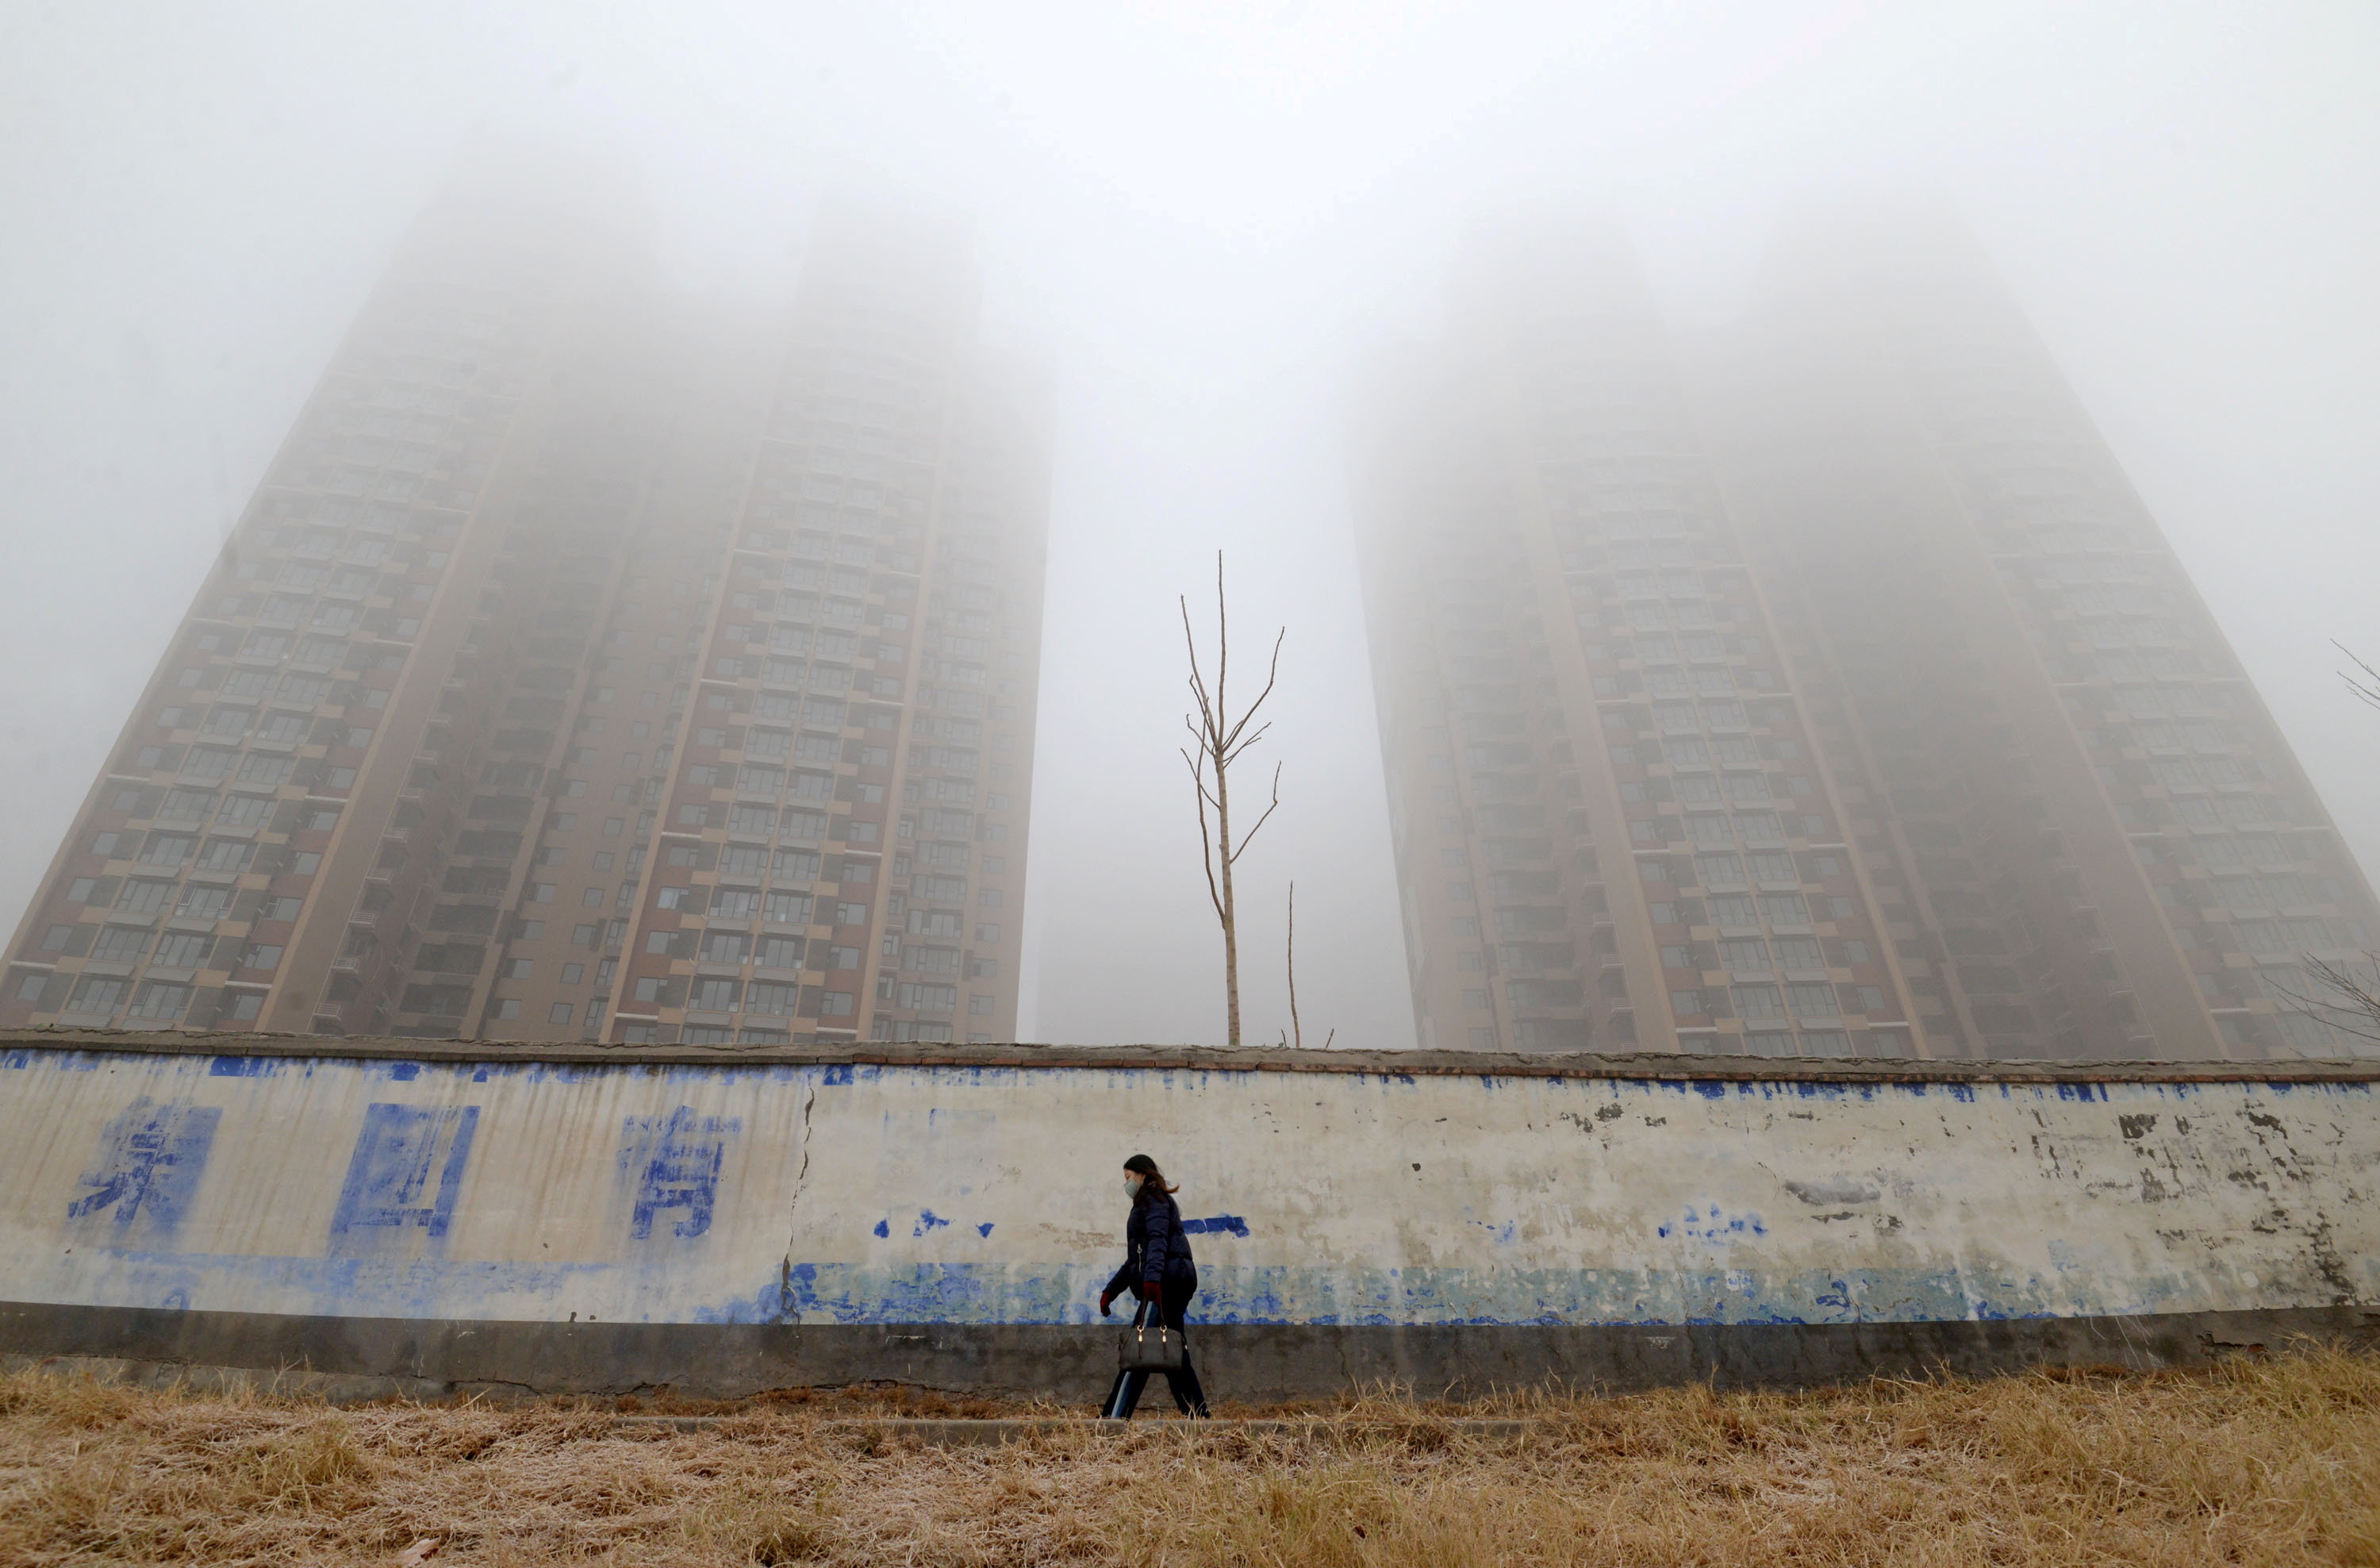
245,1067
883,1228
404,1173
984,1229
1224,1224
675,1161
928,1220
146,1169
970,1292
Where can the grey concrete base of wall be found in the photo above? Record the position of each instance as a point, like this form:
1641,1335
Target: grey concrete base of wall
349,1358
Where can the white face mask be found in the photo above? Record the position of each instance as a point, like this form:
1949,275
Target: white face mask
1131,1185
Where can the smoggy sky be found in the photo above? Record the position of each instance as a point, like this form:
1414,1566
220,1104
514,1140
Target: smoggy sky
1202,216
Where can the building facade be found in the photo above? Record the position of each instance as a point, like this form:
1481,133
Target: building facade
1829,694
594,665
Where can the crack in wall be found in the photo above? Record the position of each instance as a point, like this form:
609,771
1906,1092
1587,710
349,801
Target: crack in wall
785,1313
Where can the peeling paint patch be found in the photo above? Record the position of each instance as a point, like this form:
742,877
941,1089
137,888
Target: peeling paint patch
146,1170
1833,1194
674,1162
405,1172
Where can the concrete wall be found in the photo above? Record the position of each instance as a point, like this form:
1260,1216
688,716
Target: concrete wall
979,1206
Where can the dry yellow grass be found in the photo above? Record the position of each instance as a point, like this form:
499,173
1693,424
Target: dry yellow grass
2269,1462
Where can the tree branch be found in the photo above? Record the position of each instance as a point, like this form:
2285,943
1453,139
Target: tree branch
1272,677
2366,690
2362,1003
1250,836
1206,841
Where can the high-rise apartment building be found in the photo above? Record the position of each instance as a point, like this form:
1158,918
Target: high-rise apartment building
1834,696
594,665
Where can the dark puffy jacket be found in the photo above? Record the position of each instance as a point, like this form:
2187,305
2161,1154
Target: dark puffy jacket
1156,1249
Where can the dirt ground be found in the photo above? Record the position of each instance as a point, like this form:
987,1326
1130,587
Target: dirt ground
2272,1461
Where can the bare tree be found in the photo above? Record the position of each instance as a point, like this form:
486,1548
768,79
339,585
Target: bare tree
1219,740
1300,1034
2354,1005
2350,1001
1293,1027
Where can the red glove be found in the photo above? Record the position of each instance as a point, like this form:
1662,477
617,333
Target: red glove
1153,1294
1105,1297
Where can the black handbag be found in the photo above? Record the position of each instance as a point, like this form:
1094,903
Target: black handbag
1149,1347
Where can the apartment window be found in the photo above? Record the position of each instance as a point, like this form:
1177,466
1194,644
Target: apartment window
280,908
96,993
1759,1002
116,945
262,955
712,995
558,1013
509,1008
141,897
181,950
1474,1001
181,806
166,849
225,854
1686,1004
29,986
160,999
1743,952
201,902
518,968
771,998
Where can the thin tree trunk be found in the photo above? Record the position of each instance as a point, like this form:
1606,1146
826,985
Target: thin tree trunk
1231,913
1297,1034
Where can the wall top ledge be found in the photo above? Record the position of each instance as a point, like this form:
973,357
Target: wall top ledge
1649,1064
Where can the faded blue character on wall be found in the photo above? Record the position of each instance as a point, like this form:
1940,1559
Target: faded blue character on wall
675,1161
146,1171
404,1175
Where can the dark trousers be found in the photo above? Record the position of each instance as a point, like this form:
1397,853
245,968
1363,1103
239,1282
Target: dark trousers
1188,1397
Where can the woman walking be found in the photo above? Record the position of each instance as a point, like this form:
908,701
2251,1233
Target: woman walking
1157,1269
